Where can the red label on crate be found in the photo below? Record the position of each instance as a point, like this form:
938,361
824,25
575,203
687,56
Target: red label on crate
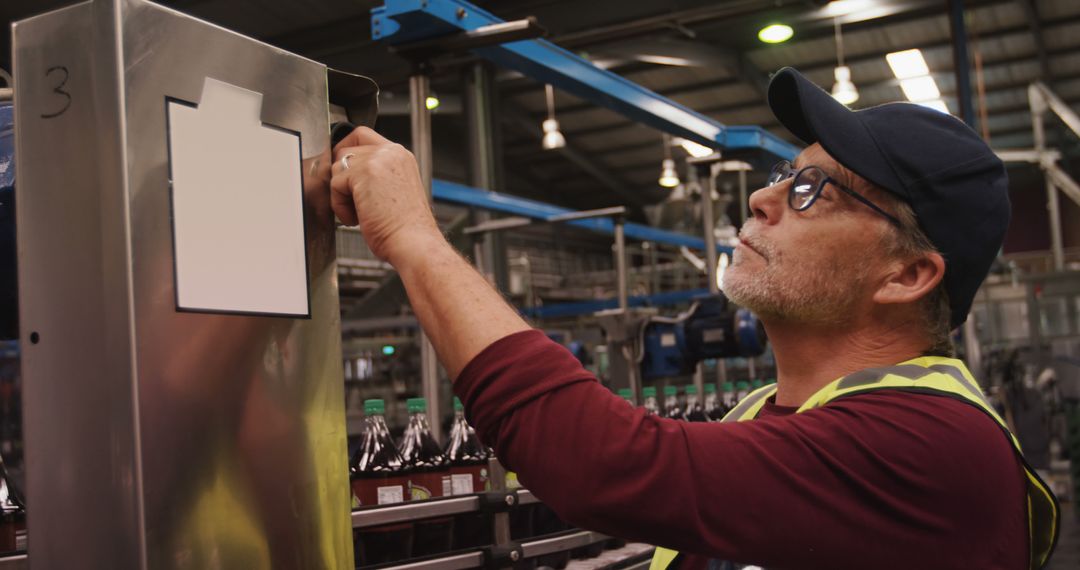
425,486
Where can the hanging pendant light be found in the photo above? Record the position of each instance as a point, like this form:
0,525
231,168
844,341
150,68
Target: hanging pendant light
669,178
844,89
553,138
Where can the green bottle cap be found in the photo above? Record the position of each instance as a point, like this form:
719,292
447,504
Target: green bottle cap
626,393
757,384
710,388
457,404
416,405
690,389
649,392
374,407
671,391
729,386
742,385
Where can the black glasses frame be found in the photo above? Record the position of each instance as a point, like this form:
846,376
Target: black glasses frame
784,170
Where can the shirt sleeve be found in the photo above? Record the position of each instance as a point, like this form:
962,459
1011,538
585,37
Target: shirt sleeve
917,476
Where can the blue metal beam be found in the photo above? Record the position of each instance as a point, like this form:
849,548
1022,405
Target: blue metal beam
590,307
403,21
445,191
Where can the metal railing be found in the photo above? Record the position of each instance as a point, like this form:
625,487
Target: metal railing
14,562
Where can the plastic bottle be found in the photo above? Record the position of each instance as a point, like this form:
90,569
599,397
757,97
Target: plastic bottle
467,457
651,405
695,412
742,389
627,394
13,520
429,477
671,403
468,460
714,409
727,399
377,478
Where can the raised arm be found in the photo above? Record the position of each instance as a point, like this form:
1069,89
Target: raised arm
381,191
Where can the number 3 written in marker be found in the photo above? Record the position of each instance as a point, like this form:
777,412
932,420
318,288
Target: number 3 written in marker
62,72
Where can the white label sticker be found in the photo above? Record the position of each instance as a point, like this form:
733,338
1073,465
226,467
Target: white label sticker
391,494
463,484
712,335
237,206
447,486
667,339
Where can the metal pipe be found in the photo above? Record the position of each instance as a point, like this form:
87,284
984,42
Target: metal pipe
1038,104
960,61
542,546
708,219
420,119
413,510
620,261
972,350
744,198
1053,207
497,476
483,166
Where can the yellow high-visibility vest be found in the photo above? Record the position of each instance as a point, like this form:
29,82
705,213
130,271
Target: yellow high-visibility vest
924,375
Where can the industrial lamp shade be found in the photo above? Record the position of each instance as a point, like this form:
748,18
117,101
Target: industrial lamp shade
553,139
668,177
844,90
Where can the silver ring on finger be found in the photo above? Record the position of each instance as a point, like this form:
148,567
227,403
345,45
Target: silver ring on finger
345,161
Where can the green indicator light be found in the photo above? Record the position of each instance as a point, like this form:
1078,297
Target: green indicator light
775,33
388,349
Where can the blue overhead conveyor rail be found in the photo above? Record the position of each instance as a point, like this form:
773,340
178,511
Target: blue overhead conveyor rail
445,191
405,21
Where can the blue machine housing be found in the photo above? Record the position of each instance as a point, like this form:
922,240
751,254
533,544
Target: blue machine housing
712,329
9,298
665,351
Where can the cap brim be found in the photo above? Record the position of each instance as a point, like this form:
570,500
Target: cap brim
812,115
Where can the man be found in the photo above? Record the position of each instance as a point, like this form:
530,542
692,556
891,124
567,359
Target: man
872,451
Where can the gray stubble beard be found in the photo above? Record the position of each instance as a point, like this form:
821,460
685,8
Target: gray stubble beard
799,291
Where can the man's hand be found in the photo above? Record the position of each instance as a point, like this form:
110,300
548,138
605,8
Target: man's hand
381,191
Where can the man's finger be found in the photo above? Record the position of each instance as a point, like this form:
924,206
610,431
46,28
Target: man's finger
341,199
361,136
356,154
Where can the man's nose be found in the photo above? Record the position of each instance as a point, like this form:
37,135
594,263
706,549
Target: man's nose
767,204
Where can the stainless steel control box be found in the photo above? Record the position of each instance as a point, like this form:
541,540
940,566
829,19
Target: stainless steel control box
163,432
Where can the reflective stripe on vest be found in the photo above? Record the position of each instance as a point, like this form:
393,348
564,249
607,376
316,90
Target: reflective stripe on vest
933,375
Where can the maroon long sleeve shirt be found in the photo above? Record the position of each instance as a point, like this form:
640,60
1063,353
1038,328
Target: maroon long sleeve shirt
876,481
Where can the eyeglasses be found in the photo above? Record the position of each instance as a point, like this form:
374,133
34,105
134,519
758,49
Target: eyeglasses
808,184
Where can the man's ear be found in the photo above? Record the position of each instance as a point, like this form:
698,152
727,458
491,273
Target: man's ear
912,280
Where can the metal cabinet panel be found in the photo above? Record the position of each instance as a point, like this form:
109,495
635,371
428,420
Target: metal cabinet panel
158,438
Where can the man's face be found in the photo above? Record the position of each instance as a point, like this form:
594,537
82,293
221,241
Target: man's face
816,266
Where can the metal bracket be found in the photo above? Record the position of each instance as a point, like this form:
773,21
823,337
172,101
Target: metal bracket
503,556
497,501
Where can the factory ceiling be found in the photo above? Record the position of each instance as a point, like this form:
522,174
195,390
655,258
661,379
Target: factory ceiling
703,54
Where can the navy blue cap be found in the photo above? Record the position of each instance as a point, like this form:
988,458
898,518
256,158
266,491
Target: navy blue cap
955,184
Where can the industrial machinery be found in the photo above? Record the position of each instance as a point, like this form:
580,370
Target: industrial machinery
711,328
181,359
